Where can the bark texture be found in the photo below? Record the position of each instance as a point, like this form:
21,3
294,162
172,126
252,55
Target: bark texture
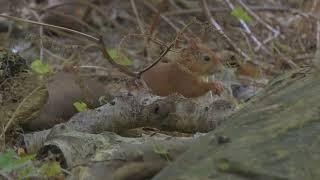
275,136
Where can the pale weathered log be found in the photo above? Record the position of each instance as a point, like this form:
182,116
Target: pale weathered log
102,156
126,112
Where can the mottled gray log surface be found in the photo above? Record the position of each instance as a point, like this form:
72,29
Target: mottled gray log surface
275,136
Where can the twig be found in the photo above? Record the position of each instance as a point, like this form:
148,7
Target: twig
174,4
156,17
248,31
124,69
105,53
142,29
73,18
18,109
94,67
40,33
253,14
318,36
99,41
57,56
138,75
168,48
39,18
254,8
166,19
219,28
93,6
155,40
313,10
275,32
100,45
158,59
221,9
135,11
317,54
92,38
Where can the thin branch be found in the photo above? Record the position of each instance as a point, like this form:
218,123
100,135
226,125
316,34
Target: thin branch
253,14
142,29
275,32
105,53
318,36
313,10
221,9
219,28
135,11
158,59
73,18
40,33
166,19
92,38
94,7
154,40
94,67
18,109
168,47
247,30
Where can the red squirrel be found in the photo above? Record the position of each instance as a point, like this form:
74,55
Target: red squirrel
183,76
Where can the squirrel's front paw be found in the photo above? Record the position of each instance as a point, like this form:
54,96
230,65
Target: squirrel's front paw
217,87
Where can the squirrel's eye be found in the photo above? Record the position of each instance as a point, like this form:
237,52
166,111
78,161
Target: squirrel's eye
206,58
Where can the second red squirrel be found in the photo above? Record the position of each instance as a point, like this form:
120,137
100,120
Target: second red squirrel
183,76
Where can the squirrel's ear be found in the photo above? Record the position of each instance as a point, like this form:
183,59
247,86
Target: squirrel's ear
193,43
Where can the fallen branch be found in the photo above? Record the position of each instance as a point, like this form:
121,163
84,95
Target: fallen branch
125,112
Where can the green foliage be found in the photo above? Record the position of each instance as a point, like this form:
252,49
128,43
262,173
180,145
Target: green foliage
119,58
240,13
80,106
15,167
6,161
21,166
50,169
27,171
40,68
158,149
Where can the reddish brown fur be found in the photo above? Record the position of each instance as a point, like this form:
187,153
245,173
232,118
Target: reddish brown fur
183,76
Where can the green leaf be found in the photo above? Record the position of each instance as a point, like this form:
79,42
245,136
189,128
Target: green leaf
51,169
22,166
119,58
27,171
24,159
9,161
158,149
241,14
40,68
80,106
6,161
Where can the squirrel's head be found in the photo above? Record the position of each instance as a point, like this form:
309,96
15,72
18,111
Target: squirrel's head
200,59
